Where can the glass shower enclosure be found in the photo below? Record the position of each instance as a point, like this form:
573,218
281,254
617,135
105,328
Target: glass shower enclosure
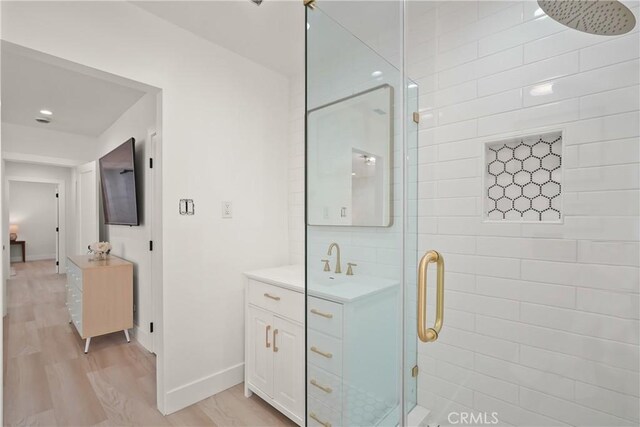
361,193
472,216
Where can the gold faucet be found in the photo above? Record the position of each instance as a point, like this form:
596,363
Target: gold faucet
331,246
350,266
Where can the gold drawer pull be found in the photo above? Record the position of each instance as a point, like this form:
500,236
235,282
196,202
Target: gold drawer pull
319,313
272,297
313,416
321,353
321,387
266,336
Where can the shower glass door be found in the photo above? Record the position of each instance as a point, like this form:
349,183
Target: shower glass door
522,174
361,215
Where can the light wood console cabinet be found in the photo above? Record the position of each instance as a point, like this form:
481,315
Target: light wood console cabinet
99,296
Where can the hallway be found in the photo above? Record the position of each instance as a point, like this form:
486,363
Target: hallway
49,381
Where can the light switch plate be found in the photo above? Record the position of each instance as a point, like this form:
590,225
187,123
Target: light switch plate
227,210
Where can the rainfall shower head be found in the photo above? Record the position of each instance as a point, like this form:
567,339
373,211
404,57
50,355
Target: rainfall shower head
257,2
602,17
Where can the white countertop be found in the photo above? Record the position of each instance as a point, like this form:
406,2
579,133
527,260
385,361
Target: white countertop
345,289
287,276
330,286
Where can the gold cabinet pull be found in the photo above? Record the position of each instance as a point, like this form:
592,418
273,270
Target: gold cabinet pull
321,353
319,313
275,335
266,336
313,416
272,296
321,387
430,334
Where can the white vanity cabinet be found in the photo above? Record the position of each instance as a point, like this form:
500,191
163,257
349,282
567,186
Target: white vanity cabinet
352,347
274,347
352,358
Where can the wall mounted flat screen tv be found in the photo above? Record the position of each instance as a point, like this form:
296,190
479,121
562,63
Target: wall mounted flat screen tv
118,182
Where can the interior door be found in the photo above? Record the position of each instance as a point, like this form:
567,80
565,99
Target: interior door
87,214
57,196
288,367
260,350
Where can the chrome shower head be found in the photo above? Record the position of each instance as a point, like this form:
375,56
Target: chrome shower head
602,17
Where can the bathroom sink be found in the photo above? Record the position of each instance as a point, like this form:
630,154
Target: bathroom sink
343,288
328,280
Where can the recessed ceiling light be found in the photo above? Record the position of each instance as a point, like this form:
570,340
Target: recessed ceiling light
46,112
376,74
43,120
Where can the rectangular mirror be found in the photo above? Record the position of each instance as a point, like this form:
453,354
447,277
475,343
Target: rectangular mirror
349,152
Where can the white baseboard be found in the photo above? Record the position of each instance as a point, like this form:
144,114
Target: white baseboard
34,258
143,337
51,257
195,391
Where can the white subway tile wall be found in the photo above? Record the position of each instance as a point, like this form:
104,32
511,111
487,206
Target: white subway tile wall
541,320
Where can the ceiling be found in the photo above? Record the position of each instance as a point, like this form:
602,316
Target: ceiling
82,103
271,34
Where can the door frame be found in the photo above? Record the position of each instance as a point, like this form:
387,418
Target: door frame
153,214
158,286
91,166
61,249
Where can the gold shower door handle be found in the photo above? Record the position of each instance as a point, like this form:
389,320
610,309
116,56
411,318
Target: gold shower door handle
430,334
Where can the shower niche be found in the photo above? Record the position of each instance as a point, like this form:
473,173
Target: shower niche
523,179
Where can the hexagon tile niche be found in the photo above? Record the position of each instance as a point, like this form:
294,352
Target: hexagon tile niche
522,178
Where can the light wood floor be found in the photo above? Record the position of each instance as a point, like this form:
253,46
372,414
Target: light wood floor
49,381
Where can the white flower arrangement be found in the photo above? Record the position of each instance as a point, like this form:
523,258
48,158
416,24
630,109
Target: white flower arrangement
100,250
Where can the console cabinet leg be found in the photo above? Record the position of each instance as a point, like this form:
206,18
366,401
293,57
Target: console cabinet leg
126,334
86,345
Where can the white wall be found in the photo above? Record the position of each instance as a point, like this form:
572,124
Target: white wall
132,243
224,136
36,172
541,320
67,148
296,171
34,209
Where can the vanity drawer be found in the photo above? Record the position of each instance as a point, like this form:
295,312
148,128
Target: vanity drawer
324,316
325,387
319,415
281,301
324,352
